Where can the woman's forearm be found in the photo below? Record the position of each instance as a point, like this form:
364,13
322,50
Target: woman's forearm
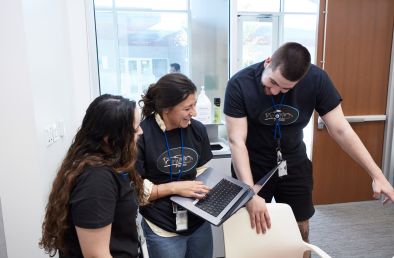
160,191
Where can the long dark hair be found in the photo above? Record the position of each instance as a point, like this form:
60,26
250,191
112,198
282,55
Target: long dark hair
169,91
107,115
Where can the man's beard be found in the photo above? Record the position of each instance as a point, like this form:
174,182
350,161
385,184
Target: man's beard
265,90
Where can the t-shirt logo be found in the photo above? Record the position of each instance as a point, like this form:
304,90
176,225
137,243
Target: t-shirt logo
190,158
287,115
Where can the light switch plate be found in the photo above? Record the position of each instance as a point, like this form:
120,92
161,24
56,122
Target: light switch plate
55,133
48,135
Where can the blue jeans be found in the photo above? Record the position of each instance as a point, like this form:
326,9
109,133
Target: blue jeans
197,245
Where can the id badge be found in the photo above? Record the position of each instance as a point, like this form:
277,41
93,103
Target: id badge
282,170
181,220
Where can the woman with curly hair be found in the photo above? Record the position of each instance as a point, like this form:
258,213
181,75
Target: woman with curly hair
93,204
173,151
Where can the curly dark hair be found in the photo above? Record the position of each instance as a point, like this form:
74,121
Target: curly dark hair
107,116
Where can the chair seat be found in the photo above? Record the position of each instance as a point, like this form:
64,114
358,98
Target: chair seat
283,240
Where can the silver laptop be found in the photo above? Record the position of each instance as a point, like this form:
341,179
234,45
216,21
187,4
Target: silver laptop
227,195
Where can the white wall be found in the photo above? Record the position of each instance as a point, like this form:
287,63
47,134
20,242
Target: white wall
55,57
44,76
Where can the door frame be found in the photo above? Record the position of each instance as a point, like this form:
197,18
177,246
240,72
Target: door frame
388,144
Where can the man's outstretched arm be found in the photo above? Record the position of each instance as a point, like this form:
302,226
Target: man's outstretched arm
237,130
343,133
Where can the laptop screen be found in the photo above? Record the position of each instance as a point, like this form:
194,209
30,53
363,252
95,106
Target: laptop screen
254,190
257,187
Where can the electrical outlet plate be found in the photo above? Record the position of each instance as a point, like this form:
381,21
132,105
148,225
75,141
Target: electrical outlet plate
48,135
55,134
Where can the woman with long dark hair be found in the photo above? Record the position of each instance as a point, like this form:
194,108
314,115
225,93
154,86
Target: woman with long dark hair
93,203
172,152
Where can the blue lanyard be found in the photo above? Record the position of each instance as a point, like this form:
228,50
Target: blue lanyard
169,156
124,176
277,126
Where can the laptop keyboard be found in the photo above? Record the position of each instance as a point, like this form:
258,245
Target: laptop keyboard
219,197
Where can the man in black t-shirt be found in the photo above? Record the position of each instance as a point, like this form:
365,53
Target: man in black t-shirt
266,107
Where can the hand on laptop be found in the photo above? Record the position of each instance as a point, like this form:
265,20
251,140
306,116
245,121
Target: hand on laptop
191,189
258,213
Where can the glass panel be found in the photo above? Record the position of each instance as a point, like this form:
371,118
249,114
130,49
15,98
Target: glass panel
103,3
128,76
259,5
303,6
146,74
106,50
209,52
159,68
147,43
133,75
257,44
301,29
153,4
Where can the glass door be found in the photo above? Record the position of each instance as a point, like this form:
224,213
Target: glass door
146,73
135,76
129,77
258,38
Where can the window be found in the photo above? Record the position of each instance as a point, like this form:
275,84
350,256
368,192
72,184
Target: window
137,41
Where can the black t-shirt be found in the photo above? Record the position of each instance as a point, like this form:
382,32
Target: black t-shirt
153,164
245,98
99,197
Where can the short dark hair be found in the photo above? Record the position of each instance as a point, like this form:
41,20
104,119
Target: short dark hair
293,61
166,93
176,66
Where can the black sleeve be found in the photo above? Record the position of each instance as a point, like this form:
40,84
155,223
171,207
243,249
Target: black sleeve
140,163
206,152
93,200
234,104
328,97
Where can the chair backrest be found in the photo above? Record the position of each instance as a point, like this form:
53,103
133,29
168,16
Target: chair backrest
282,240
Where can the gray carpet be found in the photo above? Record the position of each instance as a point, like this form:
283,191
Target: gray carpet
354,230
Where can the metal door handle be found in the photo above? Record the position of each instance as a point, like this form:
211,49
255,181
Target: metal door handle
354,119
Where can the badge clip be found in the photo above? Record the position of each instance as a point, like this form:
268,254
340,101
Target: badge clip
279,158
174,208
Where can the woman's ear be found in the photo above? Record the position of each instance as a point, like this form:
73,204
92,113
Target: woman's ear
165,111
